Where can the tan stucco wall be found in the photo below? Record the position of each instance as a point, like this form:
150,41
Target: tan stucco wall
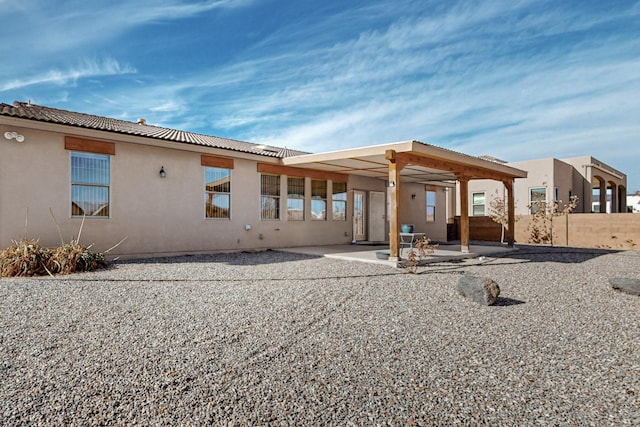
163,216
413,211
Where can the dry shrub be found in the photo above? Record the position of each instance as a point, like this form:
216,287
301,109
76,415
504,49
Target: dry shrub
422,248
24,258
28,258
72,257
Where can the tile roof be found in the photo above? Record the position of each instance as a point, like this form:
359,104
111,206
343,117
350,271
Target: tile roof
28,111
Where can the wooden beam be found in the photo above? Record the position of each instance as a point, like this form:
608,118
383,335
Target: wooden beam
464,214
216,162
301,172
89,145
446,165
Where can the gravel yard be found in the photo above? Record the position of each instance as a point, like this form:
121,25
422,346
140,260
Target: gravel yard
280,339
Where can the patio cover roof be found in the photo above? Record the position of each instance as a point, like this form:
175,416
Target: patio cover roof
424,163
416,162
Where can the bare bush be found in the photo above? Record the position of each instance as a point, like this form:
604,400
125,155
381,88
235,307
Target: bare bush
422,248
541,227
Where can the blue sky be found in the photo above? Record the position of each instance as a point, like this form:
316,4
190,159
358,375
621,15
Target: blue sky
514,79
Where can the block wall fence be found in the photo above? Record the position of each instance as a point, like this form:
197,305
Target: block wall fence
588,230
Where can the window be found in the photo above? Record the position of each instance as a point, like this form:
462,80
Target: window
339,201
478,204
90,181
270,196
318,199
431,205
295,199
538,199
217,192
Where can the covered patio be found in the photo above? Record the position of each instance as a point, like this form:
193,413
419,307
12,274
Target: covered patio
416,162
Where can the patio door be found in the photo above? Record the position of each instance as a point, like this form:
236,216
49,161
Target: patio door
377,216
369,218
359,215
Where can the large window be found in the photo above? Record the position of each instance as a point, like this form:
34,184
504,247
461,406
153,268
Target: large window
270,196
431,205
339,201
90,181
217,192
478,204
538,199
318,199
295,199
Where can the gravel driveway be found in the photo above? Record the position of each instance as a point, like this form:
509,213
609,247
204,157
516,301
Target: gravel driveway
275,339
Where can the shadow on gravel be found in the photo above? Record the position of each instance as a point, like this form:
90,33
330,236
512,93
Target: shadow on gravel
506,302
556,254
232,258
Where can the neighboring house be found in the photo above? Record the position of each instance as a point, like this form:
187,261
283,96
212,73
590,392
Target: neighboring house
633,202
173,192
553,180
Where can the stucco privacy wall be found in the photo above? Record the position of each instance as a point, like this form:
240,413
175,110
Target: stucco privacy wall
586,230
158,215
610,231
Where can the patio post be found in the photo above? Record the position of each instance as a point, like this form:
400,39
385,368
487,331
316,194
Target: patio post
394,210
511,206
464,213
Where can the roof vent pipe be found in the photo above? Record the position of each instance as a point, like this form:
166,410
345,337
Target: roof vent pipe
142,121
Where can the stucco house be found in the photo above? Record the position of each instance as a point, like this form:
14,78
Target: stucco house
548,180
633,202
174,192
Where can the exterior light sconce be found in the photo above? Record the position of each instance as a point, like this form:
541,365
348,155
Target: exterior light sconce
392,183
163,174
413,196
14,135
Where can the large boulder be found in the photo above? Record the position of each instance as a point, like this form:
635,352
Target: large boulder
628,285
482,290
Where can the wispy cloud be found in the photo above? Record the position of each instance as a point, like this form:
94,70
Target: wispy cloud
86,68
47,28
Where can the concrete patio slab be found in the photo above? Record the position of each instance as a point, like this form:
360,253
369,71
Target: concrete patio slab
367,252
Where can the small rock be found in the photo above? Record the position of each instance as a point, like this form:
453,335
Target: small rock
482,290
628,285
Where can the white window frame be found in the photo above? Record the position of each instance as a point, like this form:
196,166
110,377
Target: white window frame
338,199
533,206
483,204
271,199
77,185
299,199
430,217
319,198
212,194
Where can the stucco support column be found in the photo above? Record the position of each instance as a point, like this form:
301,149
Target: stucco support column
614,198
511,211
622,197
464,214
603,196
394,209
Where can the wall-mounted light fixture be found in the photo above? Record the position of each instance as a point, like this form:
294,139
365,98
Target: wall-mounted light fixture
163,174
14,135
413,196
392,183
